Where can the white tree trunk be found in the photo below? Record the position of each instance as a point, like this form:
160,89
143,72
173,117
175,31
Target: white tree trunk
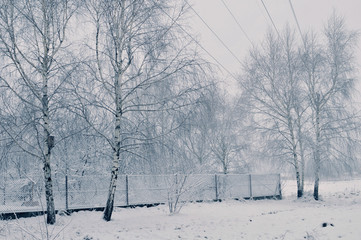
47,154
317,152
116,154
49,141
114,174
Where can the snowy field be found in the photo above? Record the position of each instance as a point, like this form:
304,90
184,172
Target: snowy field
336,216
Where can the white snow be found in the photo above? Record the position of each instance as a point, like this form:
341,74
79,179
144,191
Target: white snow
339,210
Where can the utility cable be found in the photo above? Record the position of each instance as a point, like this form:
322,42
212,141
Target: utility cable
269,15
298,25
239,25
200,45
214,33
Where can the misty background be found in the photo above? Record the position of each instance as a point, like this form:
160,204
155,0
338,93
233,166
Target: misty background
114,88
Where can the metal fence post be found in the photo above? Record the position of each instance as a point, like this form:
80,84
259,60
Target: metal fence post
250,186
279,186
126,190
176,184
4,194
216,185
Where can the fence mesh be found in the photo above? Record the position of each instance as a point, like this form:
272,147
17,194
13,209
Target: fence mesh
71,192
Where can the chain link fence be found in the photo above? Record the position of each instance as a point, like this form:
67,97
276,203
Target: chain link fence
72,192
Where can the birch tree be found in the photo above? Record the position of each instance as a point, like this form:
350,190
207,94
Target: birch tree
272,81
329,77
32,38
138,46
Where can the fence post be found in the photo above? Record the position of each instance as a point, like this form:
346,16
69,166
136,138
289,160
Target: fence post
4,190
126,190
216,186
250,185
279,186
176,184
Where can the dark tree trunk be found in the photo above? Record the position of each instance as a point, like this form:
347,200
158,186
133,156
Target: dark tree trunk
110,201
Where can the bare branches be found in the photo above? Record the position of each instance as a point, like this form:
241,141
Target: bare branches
300,94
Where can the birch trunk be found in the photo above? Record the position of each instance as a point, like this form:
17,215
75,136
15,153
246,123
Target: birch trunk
46,160
115,168
295,157
298,176
302,154
302,168
116,148
45,109
317,151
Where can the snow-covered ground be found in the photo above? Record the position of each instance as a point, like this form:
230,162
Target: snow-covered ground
336,216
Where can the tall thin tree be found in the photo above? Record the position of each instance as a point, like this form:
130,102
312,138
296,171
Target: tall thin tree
32,37
329,77
137,49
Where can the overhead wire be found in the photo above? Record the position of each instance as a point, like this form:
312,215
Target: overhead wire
200,45
269,16
261,9
214,33
298,25
235,19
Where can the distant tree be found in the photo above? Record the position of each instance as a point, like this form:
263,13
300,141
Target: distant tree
226,137
196,133
300,96
272,82
329,76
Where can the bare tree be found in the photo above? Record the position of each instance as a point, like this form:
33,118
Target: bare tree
272,82
329,77
137,51
300,96
227,139
32,38
195,134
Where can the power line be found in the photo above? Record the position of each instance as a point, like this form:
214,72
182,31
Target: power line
235,19
214,33
261,10
269,15
298,25
189,35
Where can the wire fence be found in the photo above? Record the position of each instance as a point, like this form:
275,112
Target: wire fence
72,192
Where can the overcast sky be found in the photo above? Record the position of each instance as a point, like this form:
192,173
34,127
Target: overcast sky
311,14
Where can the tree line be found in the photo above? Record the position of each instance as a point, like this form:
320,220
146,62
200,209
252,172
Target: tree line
119,87
300,95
